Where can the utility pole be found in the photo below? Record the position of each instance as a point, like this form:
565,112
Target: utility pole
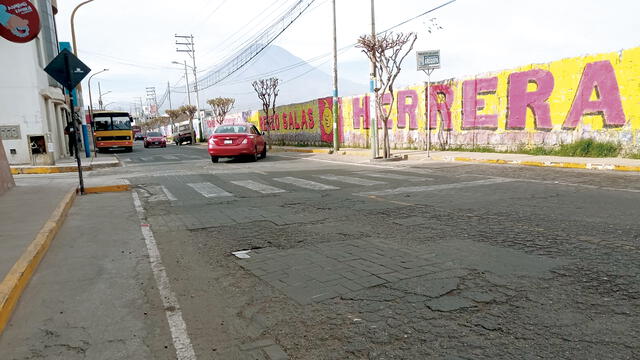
373,88
187,42
151,98
336,138
169,91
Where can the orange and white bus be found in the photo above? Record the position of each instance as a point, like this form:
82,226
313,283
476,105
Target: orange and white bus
112,130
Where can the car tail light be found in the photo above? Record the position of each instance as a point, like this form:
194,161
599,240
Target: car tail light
211,141
245,141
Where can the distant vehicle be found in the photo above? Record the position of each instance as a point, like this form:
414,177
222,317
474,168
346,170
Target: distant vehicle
237,141
112,130
154,138
184,135
137,132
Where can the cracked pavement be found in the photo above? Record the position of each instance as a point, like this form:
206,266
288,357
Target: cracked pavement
464,262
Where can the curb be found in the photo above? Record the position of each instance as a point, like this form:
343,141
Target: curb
16,280
553,164
307,151
107,188
22,170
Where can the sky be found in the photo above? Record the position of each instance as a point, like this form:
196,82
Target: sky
135,39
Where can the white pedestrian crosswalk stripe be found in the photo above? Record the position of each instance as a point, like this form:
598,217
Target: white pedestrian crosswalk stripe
168,194
351,180
384,175
307,184
170,157
209,190
259,187
159,193
414,189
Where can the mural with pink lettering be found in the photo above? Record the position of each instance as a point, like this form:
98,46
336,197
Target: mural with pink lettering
549,104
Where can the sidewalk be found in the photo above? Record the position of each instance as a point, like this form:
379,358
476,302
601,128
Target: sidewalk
32,214
68,165
89,296
614,164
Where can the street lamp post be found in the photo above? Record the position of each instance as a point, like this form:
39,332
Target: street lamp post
100,94
186,77
85,133
91,108
90,99
187,41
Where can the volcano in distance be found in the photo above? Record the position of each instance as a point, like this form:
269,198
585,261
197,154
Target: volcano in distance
299,81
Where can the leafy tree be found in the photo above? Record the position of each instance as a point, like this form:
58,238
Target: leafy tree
221,107
267,90
386,51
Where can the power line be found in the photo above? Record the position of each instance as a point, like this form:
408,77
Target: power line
322,56
249,52
244,30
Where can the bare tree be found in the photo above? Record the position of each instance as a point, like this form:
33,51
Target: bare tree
174,115
189,111
267,90
387,51
221,107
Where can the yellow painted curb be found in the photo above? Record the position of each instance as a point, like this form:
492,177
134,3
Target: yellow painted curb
18,277
47,169
308,151
564,165
108,188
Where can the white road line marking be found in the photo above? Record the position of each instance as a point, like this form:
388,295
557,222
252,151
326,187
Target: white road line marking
254,185
336,162
170,157
145,158
158,195
395,176
351,180
412,189
168,194
209,190
307,184
177,326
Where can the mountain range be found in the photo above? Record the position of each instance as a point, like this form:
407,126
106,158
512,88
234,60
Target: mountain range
299,81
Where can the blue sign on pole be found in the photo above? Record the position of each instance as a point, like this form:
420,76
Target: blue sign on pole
65,45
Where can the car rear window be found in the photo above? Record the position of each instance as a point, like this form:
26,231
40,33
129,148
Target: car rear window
227,129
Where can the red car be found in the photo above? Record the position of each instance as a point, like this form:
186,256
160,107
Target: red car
237,141
154,138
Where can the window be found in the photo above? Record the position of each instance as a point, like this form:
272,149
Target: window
117,122
121,123
231,129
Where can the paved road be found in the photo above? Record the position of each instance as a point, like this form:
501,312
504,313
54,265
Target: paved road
409,260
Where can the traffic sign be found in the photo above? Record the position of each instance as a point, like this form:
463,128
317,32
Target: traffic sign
67,69
428,60
19,21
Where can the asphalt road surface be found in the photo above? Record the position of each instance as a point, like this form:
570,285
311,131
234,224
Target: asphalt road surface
344,259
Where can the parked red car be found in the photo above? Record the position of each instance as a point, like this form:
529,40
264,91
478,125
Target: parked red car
237,141
154,138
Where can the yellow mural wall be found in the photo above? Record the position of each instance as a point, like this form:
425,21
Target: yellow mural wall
594,96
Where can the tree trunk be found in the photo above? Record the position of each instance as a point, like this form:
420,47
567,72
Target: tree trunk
193,131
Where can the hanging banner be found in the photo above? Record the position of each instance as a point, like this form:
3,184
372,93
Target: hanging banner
19,21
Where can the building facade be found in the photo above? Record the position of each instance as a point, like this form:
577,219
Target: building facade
34,111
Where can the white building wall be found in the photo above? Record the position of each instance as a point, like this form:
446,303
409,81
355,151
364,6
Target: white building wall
27,99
